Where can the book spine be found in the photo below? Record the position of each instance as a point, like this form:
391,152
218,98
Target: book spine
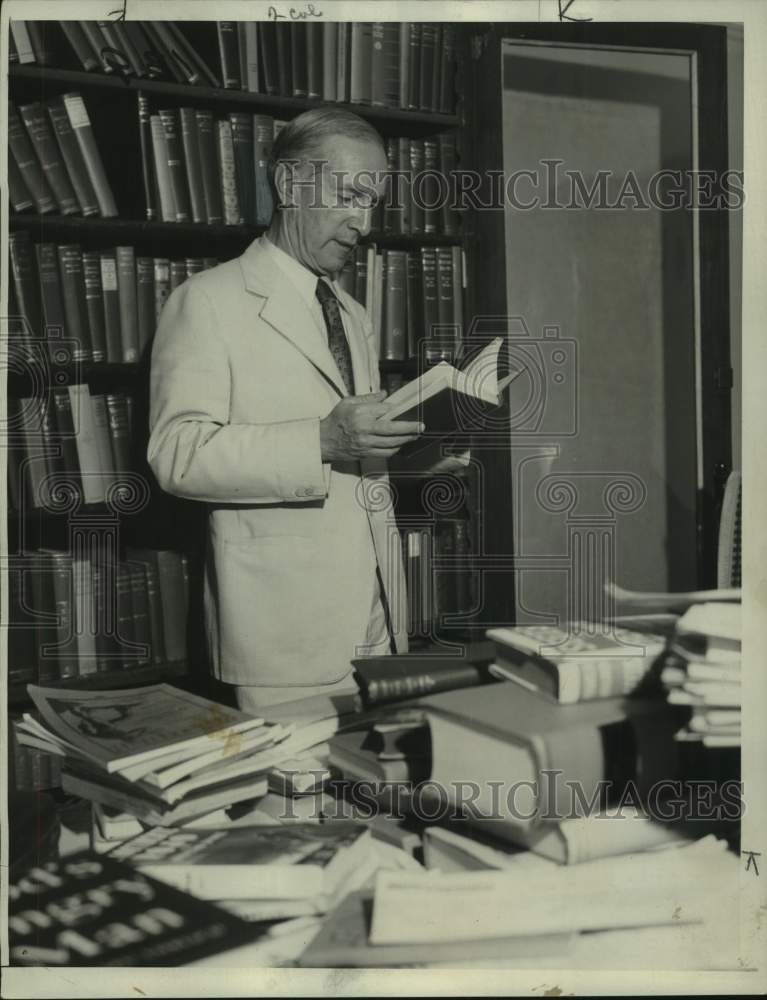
19,33
403,42
161,285
47,151
25,287
191,144
263,140
229,52
157,57
111,299
102,639
447,74
178,55
145,304
94,304
394,328
162,169
447,157
125,621
154,601
458,286
103,442
119,432
147,164
21,199
430,300
299,58
414,89
267,37
66,650
314,43
188,52
28,164
176,166
65,435
126,286
39,37
429,39
75,306
445,286
44,606
34,449
417,562
211,182
72,157
50,292
436,72
88,453
417,221
389,92
242,55
244,165
228,173
361,59
344,61
84,616
284,68
81,46
251,74
126,45
81,124
414,304
171,591
112,52
430,189
329,60
384,690
142,634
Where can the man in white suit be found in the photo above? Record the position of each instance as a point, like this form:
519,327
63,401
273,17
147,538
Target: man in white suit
265,404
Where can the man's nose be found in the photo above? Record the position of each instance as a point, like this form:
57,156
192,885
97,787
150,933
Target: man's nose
361,220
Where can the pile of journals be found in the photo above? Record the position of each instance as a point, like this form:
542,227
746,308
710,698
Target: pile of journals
161,754
702,669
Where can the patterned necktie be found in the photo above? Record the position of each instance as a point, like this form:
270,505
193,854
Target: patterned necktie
337,342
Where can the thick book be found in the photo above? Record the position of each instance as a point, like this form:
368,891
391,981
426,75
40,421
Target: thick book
26,290
126,287
171,124
394,324
75,304
93,36
532,760
229,54
191,145
263,140
65,435
167,565
130,919
385,679
284,67
148,177
385,65
448,400
428,62
228,173
299,58
360,62
296,862
21,199
250,69
211,182
31,170
244,164
22,42
111,298
267,40
48,153
343,60
51,297
577,662
314,68
81,125
94,304
165,192
329,60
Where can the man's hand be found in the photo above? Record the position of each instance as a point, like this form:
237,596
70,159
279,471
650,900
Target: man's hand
357,427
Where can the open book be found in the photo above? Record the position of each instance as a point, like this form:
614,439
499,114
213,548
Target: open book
444,397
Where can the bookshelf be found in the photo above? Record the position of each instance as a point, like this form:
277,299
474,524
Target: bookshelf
164,522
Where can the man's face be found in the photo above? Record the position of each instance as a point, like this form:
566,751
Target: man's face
334,202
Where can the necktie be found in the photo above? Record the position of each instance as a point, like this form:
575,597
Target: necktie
337,342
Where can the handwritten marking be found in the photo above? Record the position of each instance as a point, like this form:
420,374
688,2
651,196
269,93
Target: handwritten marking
752,856
564,7
119,13
294,13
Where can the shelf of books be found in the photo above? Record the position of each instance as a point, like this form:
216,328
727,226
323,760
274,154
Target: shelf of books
138,157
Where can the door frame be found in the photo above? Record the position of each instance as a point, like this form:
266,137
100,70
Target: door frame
482,141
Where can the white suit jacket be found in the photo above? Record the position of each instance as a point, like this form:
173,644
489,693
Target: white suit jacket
240,380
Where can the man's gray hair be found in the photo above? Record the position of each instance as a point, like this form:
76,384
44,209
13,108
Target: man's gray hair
304,136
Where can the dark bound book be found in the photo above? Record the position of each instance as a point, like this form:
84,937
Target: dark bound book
111,298
394,323
229,52
145,302
75,306
414,90
21,199
263,139
314,67
73,158
50,292
131,919
244,164
191,143
86,54
25,287
47,151
298,61
361,60
267,40
147,159
126,285
172,128
211,182
29,165
429,42
284,68
94,303
385,68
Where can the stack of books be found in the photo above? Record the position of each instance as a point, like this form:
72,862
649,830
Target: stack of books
388,64
95,306
702,669
161,754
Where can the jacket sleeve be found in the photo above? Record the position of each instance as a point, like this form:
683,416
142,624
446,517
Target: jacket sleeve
194,450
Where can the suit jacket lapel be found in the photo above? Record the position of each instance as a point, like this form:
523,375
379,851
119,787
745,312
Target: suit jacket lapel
285,311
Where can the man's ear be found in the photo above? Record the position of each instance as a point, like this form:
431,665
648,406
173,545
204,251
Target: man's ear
283,183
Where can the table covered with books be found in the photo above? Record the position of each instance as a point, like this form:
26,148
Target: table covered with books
534,801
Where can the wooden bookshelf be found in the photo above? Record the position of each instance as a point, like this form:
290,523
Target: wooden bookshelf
43,76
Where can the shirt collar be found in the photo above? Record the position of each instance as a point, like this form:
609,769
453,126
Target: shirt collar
300,277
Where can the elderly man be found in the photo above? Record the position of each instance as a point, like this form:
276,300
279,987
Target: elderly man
265,404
